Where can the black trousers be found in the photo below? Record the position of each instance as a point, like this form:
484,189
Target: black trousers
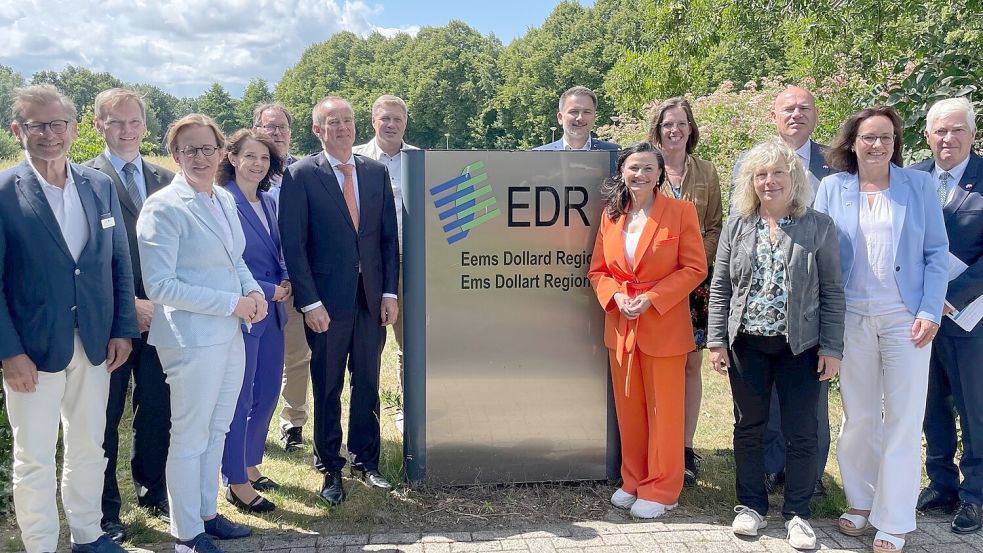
955,386
760,362
151,429
354,342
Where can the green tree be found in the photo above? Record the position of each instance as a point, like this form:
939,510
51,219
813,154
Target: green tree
9,80
78,83
9,147
257,92
221,106
162,109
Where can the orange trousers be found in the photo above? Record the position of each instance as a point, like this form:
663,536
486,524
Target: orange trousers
650,421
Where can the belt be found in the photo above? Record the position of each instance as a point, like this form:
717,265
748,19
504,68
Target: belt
628,328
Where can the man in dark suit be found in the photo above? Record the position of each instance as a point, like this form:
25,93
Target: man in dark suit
67,320
120,117
955,379
795,116
341,249
576,114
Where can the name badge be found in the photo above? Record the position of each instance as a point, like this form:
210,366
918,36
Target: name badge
108,221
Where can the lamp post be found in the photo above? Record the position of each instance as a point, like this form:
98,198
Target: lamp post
615,119
447,141
553,134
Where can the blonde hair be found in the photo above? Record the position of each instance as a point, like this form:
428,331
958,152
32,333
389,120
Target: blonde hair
108,99
771,153
191,120
41,95
388,100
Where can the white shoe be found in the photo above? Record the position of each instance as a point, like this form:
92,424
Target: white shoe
800,534
622,499
748,521
643,508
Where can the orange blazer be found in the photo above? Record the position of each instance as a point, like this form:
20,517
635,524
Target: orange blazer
669,264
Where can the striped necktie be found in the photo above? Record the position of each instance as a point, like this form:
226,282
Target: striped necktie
130,183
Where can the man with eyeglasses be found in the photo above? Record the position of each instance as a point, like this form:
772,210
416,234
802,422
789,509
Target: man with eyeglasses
389,122
955,384
274,119
67,321
795,116
120,117
342,252
576,114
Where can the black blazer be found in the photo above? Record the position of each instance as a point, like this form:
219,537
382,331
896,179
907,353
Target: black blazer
323,252
156,177
45,292
964,225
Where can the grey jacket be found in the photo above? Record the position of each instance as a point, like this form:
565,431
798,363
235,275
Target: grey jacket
816,305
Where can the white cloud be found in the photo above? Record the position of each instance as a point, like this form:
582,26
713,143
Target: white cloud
182,46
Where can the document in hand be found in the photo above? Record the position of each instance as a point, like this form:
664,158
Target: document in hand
969,316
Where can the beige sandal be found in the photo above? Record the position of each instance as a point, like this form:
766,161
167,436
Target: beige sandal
897,542
859,522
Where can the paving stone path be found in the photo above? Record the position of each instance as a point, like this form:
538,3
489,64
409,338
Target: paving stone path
682,535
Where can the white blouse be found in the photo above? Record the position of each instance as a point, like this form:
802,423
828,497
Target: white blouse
631,244
872,288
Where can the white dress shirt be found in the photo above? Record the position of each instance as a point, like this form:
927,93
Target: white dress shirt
567,146
67,206
394,163
957,175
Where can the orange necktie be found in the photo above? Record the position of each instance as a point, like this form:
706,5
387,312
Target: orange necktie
348,190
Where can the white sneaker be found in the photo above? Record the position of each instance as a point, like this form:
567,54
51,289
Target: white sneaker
643,508
748,521
622,499
800,534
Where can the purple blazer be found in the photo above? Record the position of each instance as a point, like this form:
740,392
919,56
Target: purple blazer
262,255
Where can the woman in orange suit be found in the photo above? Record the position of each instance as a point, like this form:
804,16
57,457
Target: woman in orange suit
647,258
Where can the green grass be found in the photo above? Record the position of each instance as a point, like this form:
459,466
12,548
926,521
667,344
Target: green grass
468,508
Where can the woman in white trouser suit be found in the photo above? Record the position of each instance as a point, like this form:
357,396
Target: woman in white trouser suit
191,245
894,254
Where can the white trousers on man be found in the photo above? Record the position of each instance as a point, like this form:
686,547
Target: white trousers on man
205,384
880,450
76,397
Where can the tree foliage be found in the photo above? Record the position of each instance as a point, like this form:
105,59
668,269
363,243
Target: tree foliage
217,103
257,92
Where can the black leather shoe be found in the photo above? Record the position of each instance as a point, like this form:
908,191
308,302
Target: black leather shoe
259,504
773,480
932,500
264,484
371,477
160,510
967,519
332,492
115,530
691,462
293,439
820,490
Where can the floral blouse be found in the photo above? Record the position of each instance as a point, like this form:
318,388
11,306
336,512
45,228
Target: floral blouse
767,303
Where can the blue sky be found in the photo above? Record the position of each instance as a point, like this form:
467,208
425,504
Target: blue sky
183,46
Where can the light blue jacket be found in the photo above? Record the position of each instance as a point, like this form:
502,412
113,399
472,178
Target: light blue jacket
921,246
188,272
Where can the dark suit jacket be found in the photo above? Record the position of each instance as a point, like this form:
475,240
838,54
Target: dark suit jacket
324,253
156,177
964,225
262,254
595,145
46,292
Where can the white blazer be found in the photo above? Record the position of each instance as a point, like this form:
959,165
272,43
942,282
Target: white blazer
188,272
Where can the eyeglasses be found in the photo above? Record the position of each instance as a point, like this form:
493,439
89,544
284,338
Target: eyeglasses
57,126
674,125
282,129
871,139
191,151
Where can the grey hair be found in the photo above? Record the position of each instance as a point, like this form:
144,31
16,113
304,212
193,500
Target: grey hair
41,95
949,106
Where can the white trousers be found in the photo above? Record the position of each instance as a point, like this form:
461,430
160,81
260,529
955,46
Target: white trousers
205,384
77,398
879,450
